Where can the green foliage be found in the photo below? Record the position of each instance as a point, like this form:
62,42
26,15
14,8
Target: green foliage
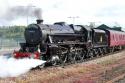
12,31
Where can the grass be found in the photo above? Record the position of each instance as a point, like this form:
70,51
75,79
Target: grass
72,73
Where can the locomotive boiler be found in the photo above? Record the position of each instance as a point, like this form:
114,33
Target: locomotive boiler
56,43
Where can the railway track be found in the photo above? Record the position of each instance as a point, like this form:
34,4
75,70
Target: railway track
66,64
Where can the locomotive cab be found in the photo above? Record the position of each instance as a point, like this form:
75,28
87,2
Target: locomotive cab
86,31
99,38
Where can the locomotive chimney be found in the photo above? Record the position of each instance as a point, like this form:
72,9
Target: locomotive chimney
39,21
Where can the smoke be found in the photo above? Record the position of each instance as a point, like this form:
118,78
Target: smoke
38,13
15,12
10,67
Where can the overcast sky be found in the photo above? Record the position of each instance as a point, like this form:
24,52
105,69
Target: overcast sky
99,11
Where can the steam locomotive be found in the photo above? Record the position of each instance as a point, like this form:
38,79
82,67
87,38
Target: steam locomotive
62,43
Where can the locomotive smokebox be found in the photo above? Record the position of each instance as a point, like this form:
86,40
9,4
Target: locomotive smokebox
39,21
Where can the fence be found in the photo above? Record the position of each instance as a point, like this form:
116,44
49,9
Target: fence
10,43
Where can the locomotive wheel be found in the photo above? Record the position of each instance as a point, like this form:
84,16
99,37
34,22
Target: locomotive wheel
78,56
54,63
95,52
90,54
55,60
84,53
111,49
105,52
100,52
81,55
63,58
72,57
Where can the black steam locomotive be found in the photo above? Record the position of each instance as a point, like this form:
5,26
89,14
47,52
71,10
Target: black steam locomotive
61,43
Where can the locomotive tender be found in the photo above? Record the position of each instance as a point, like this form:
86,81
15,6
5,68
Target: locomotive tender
61,43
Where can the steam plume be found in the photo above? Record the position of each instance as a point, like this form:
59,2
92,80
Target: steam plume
10,67
22,11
